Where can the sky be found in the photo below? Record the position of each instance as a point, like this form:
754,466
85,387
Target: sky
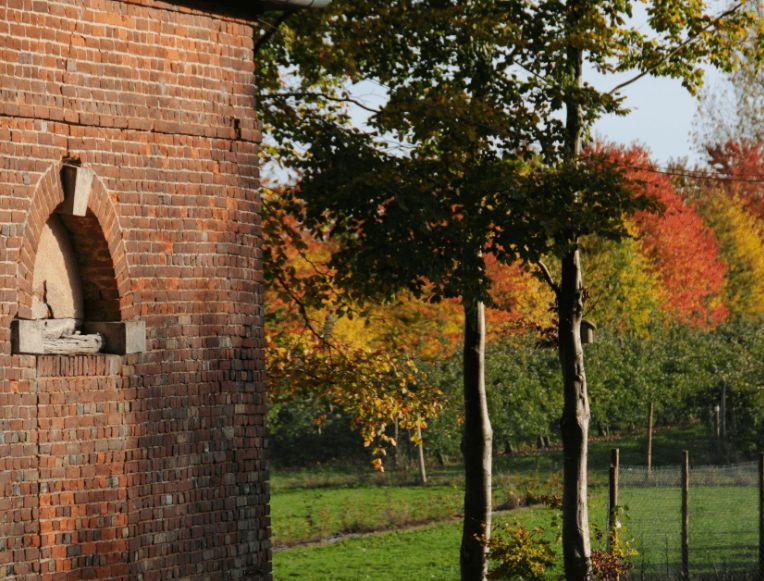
662,117
662,114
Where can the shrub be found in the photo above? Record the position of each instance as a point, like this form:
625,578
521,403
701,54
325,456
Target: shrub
615,562
519,553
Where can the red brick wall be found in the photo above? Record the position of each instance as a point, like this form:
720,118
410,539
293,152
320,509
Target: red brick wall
146,466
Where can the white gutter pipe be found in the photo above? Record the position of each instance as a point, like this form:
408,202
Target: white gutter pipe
295,4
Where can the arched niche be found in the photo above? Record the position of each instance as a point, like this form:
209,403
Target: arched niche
56,282
98,281
72,272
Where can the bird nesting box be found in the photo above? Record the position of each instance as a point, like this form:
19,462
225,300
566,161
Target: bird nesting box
587,331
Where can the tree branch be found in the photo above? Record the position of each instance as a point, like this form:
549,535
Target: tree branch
355,102
546,275
303,310
301,307
272,30
675,50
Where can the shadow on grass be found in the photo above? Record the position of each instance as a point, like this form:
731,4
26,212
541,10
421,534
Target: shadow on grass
668,444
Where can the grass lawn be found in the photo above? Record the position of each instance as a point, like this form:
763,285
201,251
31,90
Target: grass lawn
300,515
723,532
723,537
308,505
426,553
430,552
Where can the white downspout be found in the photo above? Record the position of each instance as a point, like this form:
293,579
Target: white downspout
297,4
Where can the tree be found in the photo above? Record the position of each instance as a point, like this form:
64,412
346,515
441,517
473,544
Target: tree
624,292
677,40
422,217
315,353
734,110
742,162
473,89
730,125
682,250
520,301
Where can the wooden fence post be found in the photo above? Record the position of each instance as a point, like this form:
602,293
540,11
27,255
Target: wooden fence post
685,515
650,411
761,516
612,516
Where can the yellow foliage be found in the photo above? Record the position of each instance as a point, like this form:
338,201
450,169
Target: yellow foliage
375,388
741,239
624,292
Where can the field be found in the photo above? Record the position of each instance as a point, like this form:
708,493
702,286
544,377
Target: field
322,519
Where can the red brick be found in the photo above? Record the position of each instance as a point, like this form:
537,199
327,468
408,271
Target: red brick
131,459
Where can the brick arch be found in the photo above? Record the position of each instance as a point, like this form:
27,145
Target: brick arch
96,237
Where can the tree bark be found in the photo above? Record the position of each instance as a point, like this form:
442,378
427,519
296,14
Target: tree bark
575,416
476,448
650,409
575,424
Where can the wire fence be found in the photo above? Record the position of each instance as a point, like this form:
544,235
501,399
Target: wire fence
722,512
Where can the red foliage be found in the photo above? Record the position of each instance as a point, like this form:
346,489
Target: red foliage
683,251
743,162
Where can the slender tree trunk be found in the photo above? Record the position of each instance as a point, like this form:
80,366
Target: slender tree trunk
650,409
575,415
575,424
397,445
422,467
476,447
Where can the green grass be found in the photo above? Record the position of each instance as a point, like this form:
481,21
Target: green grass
310,514
431,552
428,552
330,503
723,533
308,506
306,515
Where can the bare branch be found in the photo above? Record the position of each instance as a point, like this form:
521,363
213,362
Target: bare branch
546,275
355,102
675,50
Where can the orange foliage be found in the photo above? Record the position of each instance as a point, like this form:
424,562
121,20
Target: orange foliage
520,300
683,252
